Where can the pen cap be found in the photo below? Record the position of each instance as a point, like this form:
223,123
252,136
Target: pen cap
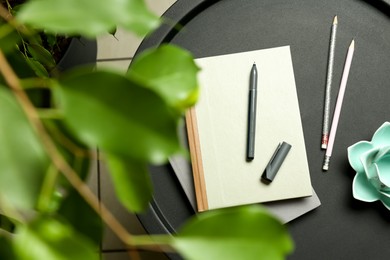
276,161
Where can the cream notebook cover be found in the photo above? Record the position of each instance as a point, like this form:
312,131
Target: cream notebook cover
217,130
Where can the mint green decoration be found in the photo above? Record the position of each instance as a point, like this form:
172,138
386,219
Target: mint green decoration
371,161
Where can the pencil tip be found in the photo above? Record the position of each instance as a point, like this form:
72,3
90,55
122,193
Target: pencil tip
353,43
335,21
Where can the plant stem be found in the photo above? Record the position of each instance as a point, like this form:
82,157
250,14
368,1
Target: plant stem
65,141
154,243
47,113
31,83
7,16
56,157
47,188
4,13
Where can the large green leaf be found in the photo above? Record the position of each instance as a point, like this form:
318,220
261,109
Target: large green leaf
107,110
234,233
88,17
132,182
23,160
38,68
48,238
170,71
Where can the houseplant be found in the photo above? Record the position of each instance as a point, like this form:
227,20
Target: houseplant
47,211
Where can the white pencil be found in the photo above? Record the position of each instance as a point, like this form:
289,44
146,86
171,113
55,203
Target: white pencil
329,77
339,102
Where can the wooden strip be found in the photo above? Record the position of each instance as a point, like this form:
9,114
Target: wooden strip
196,159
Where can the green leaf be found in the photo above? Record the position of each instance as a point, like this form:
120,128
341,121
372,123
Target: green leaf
88,17
234,233
9,38
136,17
23,160
48,238
109,111
132,182
51,40
38,68
41,55
170,71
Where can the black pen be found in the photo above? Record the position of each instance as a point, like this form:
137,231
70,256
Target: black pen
250,152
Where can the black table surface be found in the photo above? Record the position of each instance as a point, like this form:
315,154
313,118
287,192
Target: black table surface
342,227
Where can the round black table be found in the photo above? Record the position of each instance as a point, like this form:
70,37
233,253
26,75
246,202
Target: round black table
342,227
